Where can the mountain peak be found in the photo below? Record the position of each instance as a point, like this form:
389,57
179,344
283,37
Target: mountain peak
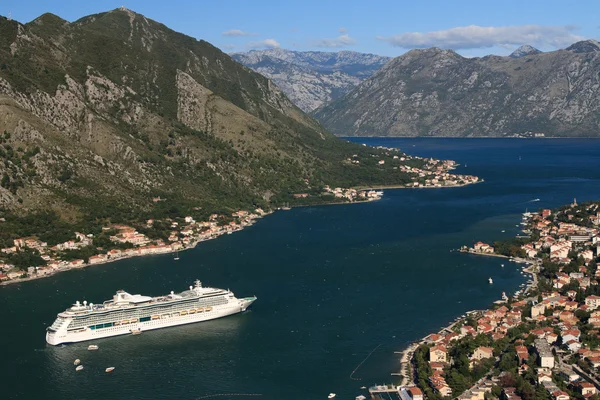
585,46
523,51
312,78
49,19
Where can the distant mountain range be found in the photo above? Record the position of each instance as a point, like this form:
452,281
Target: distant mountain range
312,78
435,92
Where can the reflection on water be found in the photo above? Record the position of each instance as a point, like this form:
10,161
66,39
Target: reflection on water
333,283
197,348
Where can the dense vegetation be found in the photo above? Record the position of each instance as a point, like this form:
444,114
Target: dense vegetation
59,174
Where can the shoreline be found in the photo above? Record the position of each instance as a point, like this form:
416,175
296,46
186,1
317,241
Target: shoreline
466,137
406,370
393,187
191,246
196,242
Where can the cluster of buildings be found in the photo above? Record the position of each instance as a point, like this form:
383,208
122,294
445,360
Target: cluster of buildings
185,234
557,346
481,248
353,194
435,173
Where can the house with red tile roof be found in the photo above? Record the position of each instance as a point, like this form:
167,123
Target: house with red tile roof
438,353
522,354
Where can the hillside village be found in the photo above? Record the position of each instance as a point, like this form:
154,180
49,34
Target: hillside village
542,343
38,259
126,242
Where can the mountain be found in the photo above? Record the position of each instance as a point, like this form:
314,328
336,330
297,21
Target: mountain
523,51
312,78
435,92
103,116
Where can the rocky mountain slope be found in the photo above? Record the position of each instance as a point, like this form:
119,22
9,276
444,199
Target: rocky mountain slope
312,78
435,92
102,116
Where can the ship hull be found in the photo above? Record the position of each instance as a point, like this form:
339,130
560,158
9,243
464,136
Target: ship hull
63,337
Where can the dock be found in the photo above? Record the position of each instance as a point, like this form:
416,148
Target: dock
406,370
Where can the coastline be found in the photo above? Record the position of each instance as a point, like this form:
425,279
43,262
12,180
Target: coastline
197,241
192,245
383,187
406,369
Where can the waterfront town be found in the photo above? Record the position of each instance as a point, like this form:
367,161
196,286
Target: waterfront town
543,342
126,241
431,172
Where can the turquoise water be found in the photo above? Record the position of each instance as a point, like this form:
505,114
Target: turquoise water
333,283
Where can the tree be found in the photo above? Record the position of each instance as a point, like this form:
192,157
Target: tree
457,382
508,361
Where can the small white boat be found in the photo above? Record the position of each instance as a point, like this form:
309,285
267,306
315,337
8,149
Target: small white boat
490,280
79,368
92,347
176,256
331,396
503,230
363,387
137,331
109,369
77,362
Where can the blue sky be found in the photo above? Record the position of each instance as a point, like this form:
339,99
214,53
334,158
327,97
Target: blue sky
386,27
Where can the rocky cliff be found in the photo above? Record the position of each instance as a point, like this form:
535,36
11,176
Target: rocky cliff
435,92
100,116
312,78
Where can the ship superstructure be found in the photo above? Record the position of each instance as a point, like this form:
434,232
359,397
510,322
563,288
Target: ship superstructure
127,313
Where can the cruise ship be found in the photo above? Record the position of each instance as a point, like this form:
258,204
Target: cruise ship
127,313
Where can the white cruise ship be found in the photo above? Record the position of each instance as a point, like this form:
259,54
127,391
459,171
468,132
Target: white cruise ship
127,313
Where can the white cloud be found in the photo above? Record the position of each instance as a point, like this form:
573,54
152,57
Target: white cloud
343,30
264,44
340,41
473,36
238,32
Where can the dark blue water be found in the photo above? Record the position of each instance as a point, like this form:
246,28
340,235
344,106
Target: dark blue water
333,283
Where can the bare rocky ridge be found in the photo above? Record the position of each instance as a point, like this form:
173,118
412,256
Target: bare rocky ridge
435,92
110,111
312,78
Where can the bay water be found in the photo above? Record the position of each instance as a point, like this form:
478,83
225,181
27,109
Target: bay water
340,288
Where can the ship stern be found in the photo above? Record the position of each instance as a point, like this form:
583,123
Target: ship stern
51,337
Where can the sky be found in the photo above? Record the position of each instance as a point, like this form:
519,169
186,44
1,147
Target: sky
384,27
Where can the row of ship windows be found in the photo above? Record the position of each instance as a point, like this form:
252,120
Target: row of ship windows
152,318
85,321
118,328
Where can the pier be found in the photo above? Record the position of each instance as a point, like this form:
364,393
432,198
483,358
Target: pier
406,370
